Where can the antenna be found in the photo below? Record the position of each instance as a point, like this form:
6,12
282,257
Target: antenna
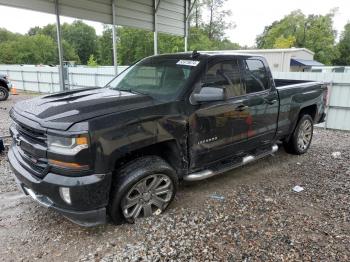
195,54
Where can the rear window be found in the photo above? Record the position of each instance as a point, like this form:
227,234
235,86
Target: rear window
256,77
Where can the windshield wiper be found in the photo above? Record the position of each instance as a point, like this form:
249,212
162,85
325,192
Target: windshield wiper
131,91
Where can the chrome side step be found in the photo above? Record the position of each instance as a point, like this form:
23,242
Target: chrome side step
204,174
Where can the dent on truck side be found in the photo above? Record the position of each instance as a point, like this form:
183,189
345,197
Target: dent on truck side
138,129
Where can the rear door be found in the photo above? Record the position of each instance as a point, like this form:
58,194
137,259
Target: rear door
262,100
218,130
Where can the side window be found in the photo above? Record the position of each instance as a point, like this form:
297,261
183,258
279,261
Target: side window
256,78
225,74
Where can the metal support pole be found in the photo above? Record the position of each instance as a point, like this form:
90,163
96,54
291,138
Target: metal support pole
23,81
52,88
38,80
186,25
188,10
328,105
114,38
60,49
155,26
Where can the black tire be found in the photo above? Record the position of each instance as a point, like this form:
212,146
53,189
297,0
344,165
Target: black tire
293,145
133,173
4,93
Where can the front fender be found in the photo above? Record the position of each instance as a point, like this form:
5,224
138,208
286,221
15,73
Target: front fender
115,144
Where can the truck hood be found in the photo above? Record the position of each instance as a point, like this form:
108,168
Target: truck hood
62,110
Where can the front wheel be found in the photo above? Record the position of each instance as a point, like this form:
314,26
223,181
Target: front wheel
144,187
301,138
4,93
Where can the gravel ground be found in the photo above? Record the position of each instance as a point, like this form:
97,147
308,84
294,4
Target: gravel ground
7,183
249,214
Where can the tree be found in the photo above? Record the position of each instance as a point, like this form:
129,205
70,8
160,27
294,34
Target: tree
208,33
217,24
196,15
291,25
6,35
69,52
133,44
92,61
82,37
199,40
170,43
38,49
343,47
35,31
49,30
105,47
285,42
314,32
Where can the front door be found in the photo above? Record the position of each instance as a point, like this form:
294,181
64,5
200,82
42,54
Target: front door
262,102
219,129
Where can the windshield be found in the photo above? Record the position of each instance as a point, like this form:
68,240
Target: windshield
159,77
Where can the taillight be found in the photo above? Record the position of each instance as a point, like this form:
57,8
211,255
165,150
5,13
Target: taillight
325,96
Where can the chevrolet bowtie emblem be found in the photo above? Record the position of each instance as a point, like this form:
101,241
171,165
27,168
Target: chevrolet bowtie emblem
17,140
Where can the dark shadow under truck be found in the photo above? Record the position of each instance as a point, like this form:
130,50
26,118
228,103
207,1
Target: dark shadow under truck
121,150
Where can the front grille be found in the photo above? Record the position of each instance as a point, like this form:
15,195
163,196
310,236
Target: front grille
32,149
31,134
37,167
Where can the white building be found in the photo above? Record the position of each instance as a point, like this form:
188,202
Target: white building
286,60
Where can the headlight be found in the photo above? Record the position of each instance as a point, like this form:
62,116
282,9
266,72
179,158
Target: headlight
67,145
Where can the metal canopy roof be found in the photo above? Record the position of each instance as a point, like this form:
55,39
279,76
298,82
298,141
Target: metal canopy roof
303,62
166,16
171,14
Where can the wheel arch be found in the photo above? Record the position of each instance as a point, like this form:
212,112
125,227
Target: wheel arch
168,150
4,84
306,110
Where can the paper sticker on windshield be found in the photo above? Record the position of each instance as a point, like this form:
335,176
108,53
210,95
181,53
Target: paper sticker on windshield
188,62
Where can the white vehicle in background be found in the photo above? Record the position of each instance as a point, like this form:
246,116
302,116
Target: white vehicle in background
330,69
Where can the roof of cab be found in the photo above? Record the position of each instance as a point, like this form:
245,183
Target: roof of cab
208,54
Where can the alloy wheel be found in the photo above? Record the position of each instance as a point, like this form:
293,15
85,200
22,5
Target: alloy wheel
2,94
149,196
304,135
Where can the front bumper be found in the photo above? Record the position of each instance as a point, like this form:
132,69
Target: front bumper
9,85
89,194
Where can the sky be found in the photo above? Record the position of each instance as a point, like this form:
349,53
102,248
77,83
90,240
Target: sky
250,16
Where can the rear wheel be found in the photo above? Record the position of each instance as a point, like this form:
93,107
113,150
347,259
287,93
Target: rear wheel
145,187
301,138
4,93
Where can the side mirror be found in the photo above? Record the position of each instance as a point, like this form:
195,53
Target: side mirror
207,94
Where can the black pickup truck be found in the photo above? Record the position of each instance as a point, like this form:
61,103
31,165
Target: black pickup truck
121,150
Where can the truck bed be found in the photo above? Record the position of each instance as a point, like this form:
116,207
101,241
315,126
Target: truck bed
288,82
295,95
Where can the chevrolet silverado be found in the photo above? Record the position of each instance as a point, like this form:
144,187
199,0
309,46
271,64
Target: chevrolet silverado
120,151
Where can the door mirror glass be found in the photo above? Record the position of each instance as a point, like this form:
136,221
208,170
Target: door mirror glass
207,94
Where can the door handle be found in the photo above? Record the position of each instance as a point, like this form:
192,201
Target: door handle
241,108
270,102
